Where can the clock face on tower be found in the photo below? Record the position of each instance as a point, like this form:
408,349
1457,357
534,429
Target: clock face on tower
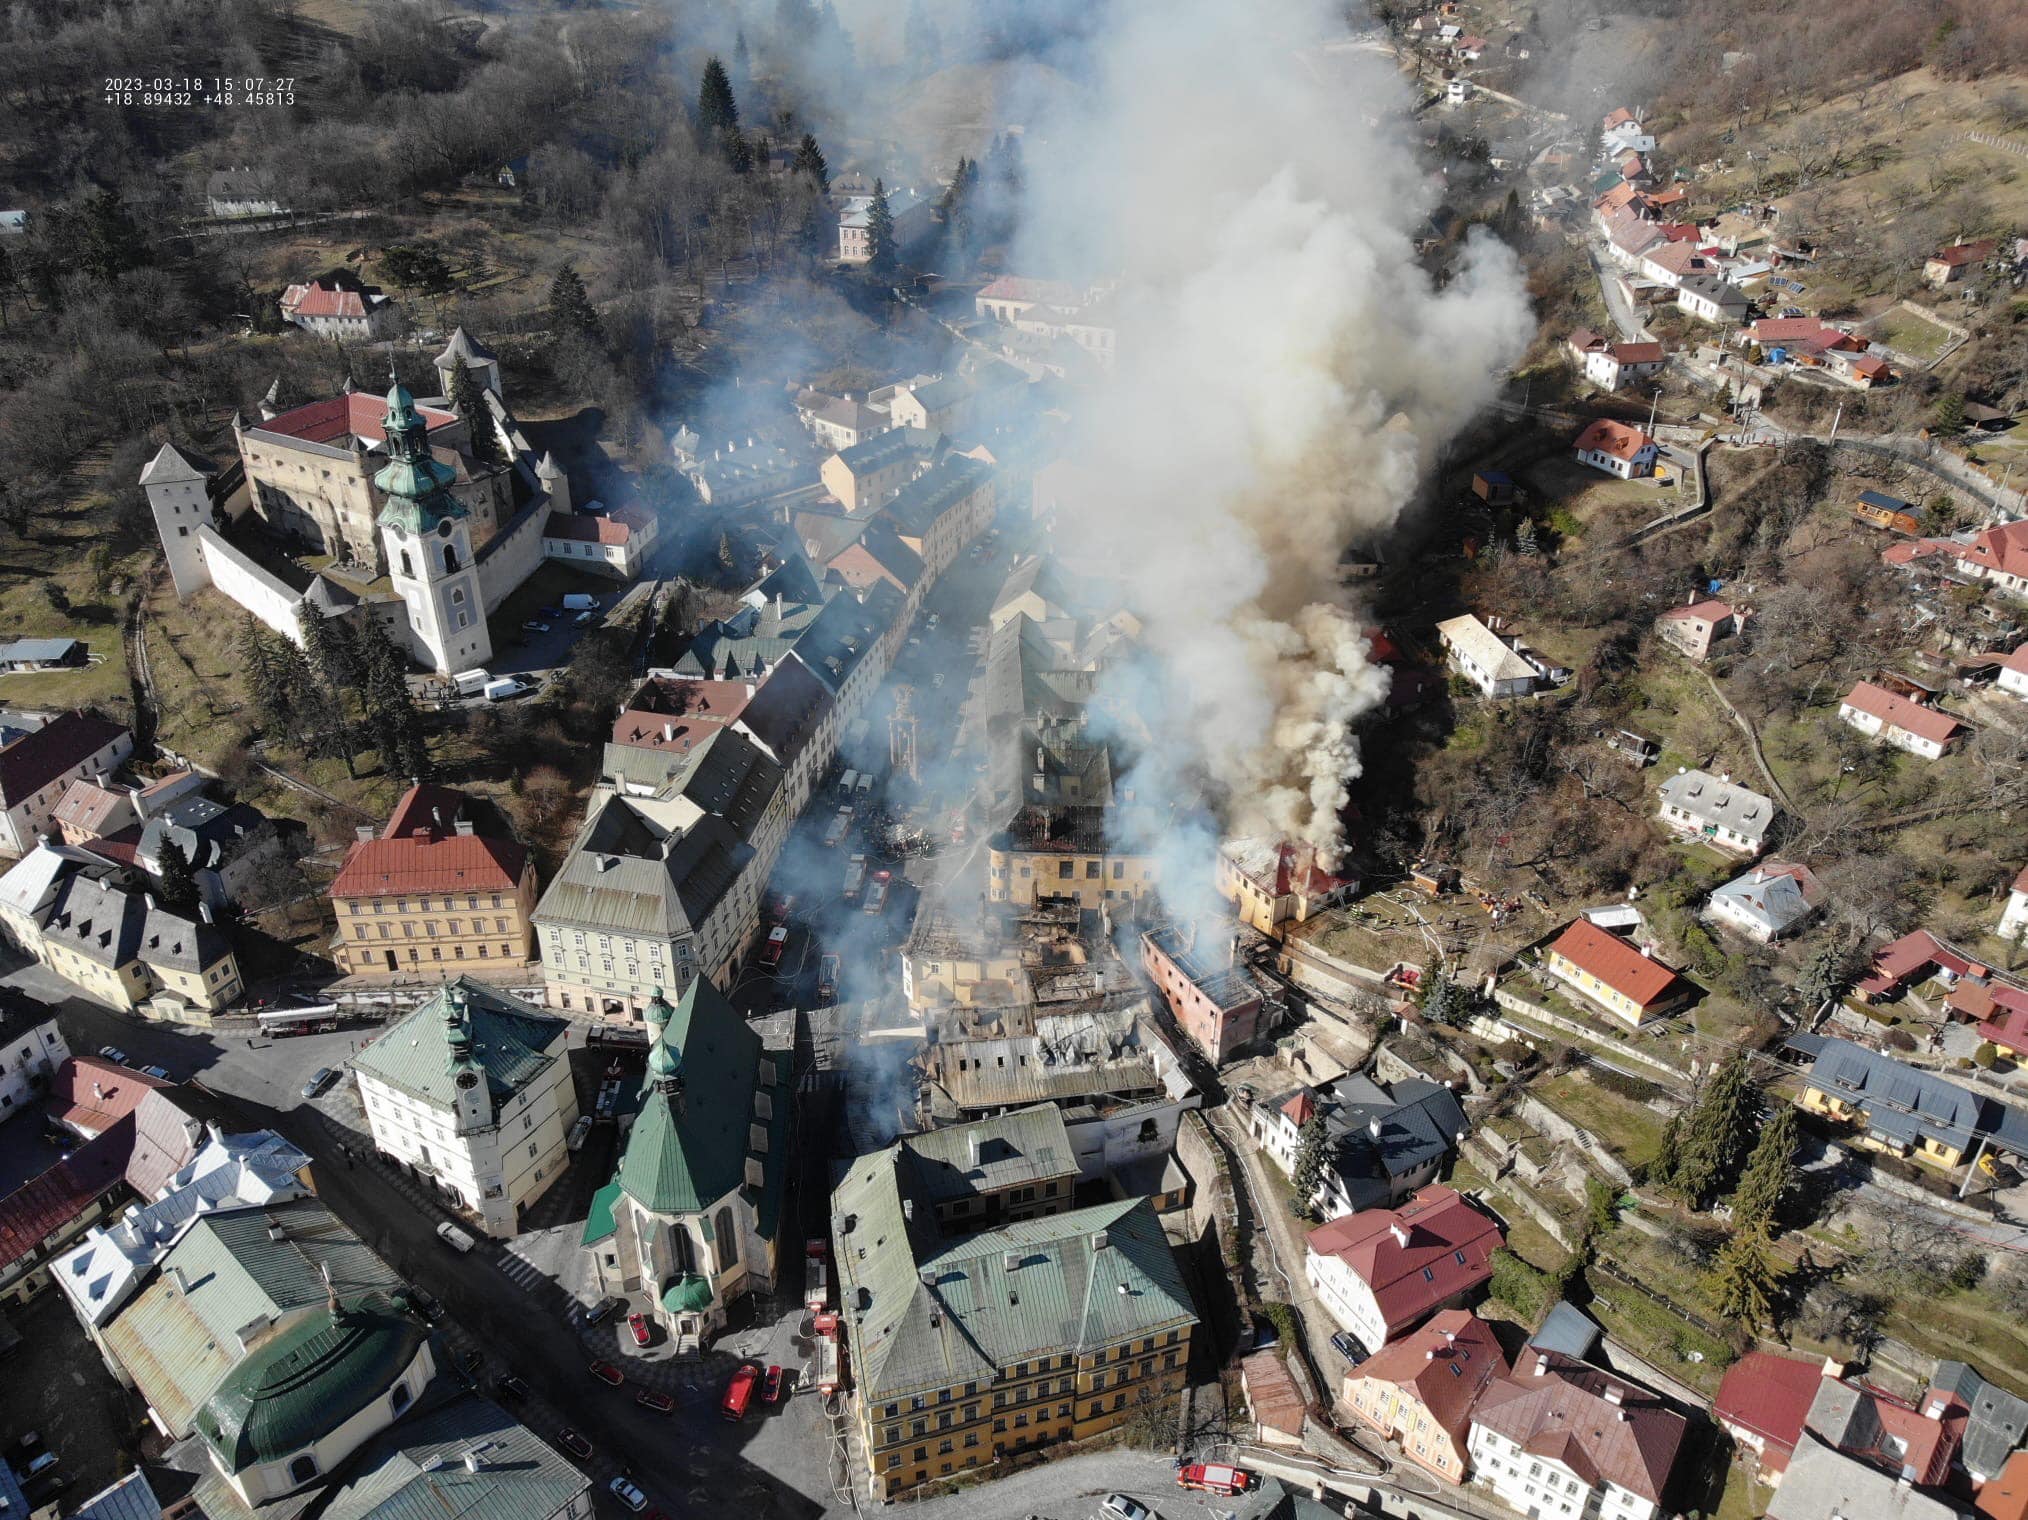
467,1080
444,528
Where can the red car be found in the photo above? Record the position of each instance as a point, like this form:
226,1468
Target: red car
661,1403
574,1443
771,1390
608,1374
638,1323
778,941
739,1391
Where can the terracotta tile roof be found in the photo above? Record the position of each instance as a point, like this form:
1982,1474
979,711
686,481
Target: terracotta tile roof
1916,951
1898,712
1565,1411
86,805
1784,329
34,760
1620,118
1960,254
47,1202
1300,1107
318,299
1446,1365
1769,1396
2004,549
420,851
2006,1497
339,419
1636,353
90,1094
1614,438
1013,287
1708,611
618,526
1413,1257
1585,341
1271,1392
636,729
1620,965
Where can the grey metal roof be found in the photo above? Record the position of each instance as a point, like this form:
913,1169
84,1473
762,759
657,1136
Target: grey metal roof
883,449
917,506
1906,1104
1996,1421
1015,1149
1706,798
513,1043
116,928
1377,1133
627,874
1820,1482
416,1470
1568,1330
128,1499
36,651
174,462
846,632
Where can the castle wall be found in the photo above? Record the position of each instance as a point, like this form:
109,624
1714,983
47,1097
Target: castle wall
512,554
262,594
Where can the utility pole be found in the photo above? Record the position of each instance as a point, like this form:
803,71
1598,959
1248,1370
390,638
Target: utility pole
1654,400
1836,417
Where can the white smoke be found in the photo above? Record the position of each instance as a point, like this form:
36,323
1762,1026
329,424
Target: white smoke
1286,375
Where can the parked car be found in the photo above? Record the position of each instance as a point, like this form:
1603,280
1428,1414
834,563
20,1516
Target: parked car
578,1131
532,626
1125,1508
771,1388
457,1239
41,1464
1349,1348
777,941
1214,1478
584,619
574,1443
320,1079
638,1324
159,1073
628,1495
661,1403
603,1310
425,1305
608,1374
114,1054
739,1391
507,1386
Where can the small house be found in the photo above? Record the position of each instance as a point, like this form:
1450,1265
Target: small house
1890,512
1949,265
1617,448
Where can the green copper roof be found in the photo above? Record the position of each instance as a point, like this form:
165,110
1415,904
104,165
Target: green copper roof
658,1012
510,1043
689,1294
303,1382
664,1061
598,1223
688,1149
414,479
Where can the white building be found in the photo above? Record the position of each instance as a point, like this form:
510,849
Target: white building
472,1093
1610,366
911,213
1382,1272
1894,719
32,1047
2016,916
1769,901
2014,673
1485,659
1558,1437
1699,805
1617,449
37,768
1711,298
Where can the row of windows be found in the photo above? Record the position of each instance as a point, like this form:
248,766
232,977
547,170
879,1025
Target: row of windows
416,905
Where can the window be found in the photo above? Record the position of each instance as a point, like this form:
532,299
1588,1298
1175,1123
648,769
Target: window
302,1469
398,1400
531,1150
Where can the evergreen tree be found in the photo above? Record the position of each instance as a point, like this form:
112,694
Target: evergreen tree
390,710
1950,415
470,404
571,314
1668,1158
1720,1132
417,267
1769,1174
265,683
810,162
880,232
105,241
1746,1281
739,154
1308,1172
1823,980
717,111
179,882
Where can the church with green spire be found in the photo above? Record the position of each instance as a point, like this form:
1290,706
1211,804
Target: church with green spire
427,536
690,1219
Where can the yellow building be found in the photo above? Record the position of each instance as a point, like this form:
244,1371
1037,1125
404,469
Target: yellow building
1614,974
975,963
1902,1111
431,895
987,1318
1063,853
123,949
1271,883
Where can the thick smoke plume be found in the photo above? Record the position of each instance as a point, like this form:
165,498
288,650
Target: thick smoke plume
1287,373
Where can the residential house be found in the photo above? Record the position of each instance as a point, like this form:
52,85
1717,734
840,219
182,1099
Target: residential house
1998,1009
943,509
1712,298
1011,296
840,422
616,541
90,810
736,477
1699,805
1419,1392
89,1095
1613,366
37,768
1823,1483
1769,901
1381,1273
793,718
1273,1400
1064,849
1914,957
1382,1142
2006,1496
442,891
32,1052
1882,714
341,307
1949,265
1672,262
1693,628
1997,555
471,1093
1889,512
912,216
1488,660
1617,448
869,473
1915,1445
1622,979
1272,883
1995,1422
1215,1002
44,1215
1558,1436
2015,916
1901,1110
225,845
241,192
1763,1403
986,1319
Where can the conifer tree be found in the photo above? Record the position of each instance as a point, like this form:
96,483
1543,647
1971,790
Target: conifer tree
179,882
571,314
470,404
264,679
1746,1280
1950,414
810,162
880,232
717,111
1719,1134
1770,1173
1308,1171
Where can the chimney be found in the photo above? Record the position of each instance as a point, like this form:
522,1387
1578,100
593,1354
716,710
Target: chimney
472,1460
1400,1233
149,899
1615,1395
668,733
973,1145
907,1210
1011,1260
204,911
1373,1128
1541,1365
1098,1240
98,1092
463,826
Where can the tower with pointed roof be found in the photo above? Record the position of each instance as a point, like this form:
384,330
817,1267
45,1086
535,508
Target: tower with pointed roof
178,484
689,1220
428,542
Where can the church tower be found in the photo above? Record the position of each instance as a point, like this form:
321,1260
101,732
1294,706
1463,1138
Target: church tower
428,542
473,1100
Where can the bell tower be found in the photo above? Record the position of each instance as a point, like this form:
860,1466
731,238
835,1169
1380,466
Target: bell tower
471,1097
428,541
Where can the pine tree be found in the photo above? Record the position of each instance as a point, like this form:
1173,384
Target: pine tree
1823,980
1950,414
1308,1172
1746,1281
738,153
571,314
265,684
717,111
1720,1132
179,882
470,404
1769,1174
880,231
391,715
810,162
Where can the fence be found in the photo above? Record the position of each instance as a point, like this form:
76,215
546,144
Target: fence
1583,1034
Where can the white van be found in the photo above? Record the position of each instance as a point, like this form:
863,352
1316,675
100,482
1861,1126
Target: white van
507,686
454,1237
471,682
578,601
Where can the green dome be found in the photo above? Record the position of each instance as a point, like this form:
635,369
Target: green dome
664,1060
659,1013
414,479
302,1383
689,1294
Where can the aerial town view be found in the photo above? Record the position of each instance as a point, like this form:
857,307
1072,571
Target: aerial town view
1030,759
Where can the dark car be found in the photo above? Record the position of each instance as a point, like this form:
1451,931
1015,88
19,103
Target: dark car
507,1386
661,1403
1348,1348
608,1374
604,1310
425,1305
574,1443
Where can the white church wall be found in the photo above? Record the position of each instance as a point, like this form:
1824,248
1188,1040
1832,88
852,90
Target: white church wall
266,597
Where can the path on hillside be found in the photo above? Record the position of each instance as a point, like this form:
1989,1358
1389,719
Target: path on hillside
1753,744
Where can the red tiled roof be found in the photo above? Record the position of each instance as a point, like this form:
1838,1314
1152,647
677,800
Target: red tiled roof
420,851
2006,1497
636,729
1898,712
1391,1250
1871,365
1013,287
2018,661
2021,876
1620,965
618,526
2004,549
47,1202
1898,962
1564,1413
122,848
86,805
1636,353
341,418
1300,1107
1585,341
1769,1396
1622,194
1620,118
317,299
1678,258
1272,1392
90,1094
1446,1365
1959,254
1784,329
34,760
1614,438
1709,610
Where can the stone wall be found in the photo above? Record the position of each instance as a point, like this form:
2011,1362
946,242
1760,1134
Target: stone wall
262,594
511,555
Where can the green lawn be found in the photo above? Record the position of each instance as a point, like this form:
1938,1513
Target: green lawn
1918,337
1632,1131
